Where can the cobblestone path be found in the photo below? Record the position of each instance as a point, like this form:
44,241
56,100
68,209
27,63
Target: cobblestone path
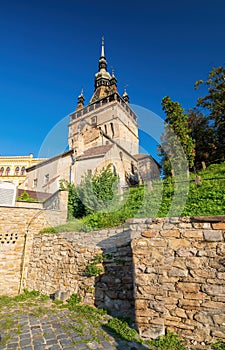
47,329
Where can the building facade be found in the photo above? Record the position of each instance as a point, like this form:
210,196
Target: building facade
13,168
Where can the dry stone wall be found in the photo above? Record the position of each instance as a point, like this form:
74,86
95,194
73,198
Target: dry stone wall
179,277
58,264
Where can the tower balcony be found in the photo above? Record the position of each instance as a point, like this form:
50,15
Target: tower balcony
102,102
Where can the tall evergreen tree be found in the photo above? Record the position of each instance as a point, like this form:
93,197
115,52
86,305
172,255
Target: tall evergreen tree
203,135
214,104
177,147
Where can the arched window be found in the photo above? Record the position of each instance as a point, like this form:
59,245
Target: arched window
17,170
23,170
7,172
1,171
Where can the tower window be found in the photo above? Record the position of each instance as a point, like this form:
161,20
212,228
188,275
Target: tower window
1,171
17,170
112,129
23,170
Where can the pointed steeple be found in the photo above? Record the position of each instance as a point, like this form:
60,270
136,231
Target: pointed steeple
102,77
80,103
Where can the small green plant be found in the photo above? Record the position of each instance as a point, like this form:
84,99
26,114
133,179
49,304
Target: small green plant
93,268
169,341
219,345
73,300
122,329
25,197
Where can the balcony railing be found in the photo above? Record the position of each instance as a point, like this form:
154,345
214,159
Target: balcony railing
99,103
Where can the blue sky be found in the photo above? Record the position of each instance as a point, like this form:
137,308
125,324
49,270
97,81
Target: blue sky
50,50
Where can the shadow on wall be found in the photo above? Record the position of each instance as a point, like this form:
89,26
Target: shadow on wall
114,289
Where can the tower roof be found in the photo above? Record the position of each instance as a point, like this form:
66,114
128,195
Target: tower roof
105,84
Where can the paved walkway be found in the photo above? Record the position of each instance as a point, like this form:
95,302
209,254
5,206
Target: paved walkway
59,329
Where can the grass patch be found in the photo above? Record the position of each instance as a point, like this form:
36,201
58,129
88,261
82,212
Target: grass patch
208,198
70,226
121,329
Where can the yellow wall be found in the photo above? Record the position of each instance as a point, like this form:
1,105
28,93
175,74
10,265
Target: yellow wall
17,166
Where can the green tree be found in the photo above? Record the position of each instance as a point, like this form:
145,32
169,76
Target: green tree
99,191
203,135
214,104
177,146
76,209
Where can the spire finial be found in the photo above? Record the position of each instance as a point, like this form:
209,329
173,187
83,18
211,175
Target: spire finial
103,48
80,103
125,94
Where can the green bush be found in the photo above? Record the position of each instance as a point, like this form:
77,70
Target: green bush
25,197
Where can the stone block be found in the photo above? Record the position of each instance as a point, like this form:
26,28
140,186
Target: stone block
196,234
141,304
219,319
180,313
189,304
214,290
188,287
218,333
153,332
214,305
221,275
186,252
213,235
178,243
149,234
176,272
170,233
218,226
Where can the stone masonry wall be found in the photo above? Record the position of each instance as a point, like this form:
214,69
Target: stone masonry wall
16,226
58,263
168,274
179,269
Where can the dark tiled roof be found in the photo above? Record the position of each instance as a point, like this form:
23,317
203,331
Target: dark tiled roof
141,156
98,151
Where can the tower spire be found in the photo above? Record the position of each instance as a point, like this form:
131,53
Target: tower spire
102,77
103,47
